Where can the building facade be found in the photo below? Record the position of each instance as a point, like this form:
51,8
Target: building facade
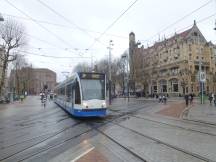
42,77
172,66
32,80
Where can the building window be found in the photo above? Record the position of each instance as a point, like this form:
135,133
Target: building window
163,86
155,89
197,57
174,85
189,47
189,56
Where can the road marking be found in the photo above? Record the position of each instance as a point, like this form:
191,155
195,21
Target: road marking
78,157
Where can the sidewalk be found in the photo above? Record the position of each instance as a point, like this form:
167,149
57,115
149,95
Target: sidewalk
169,99
204,112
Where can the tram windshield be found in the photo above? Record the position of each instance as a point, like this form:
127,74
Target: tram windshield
93,89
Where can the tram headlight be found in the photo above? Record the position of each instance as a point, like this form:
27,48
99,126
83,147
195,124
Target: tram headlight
85,105
104,104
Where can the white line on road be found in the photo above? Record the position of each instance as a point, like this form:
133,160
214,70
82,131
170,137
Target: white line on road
78,157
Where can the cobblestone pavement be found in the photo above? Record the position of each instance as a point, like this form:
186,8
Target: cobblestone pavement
173,109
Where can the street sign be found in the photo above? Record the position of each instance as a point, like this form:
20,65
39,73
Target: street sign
202,76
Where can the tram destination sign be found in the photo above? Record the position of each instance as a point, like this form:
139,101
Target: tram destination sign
92,76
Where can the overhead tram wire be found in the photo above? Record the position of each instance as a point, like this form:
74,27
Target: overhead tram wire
44,41
179,20
197,22
68,20
49,56
61,25
56,36
113,23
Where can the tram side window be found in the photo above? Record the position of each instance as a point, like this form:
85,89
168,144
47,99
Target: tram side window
69,93
77,94
62,92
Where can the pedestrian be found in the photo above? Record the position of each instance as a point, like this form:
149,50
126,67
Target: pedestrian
210,98
191,98
186,99
22,98
215,100
160,98
26,93
164,99
156,96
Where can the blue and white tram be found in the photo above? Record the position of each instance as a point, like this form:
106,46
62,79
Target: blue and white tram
83,94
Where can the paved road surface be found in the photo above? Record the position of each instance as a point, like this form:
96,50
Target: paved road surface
130,132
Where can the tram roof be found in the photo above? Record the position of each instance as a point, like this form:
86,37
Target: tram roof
74,75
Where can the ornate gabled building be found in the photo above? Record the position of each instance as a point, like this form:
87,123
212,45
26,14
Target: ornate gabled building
172,65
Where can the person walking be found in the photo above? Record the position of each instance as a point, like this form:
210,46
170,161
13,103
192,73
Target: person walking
186,99
160,98
190,97
164,99
210,98
44,101
214,100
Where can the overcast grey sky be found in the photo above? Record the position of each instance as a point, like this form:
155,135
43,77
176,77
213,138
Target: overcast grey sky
86,20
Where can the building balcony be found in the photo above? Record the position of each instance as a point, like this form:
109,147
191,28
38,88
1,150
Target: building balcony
202,62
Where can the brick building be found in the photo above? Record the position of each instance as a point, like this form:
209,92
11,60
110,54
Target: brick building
33,80
172,65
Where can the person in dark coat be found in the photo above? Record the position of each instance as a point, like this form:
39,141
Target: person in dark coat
186,99
191,98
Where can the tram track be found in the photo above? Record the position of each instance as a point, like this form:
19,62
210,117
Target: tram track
26,140
95,125
122,146
173,125
200,122
91,125
166,144
23,127
35,144
17,122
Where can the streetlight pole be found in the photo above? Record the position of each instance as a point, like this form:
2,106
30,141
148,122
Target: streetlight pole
127,61
110,83
200,71
126,57
1,17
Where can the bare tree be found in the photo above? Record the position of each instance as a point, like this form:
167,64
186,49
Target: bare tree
82,67
11,39
21,75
